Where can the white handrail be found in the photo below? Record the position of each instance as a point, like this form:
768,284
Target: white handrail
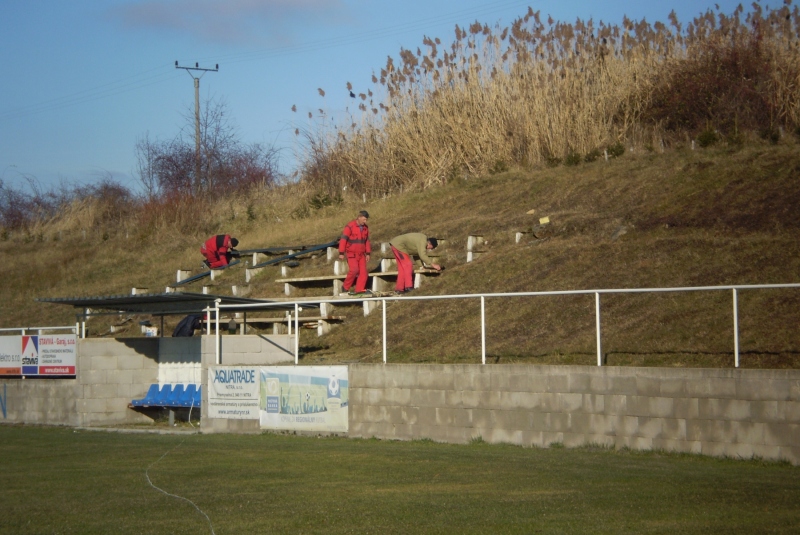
483,296
39,330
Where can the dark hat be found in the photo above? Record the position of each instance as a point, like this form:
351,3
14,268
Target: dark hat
364,213
234,242
434,242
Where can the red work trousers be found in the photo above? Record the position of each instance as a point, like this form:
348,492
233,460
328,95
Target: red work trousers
357,264
405,271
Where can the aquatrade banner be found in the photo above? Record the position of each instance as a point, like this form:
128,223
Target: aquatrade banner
304,398
233,392
38,356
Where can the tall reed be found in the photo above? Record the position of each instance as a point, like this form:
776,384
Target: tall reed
544,91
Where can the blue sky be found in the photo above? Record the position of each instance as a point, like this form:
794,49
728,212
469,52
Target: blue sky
82,80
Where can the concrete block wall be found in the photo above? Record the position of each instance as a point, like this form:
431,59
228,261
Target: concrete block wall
718,412
248,349
111,372
41,401
241,350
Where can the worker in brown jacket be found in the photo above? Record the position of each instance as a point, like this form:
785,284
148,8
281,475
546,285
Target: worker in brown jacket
403,247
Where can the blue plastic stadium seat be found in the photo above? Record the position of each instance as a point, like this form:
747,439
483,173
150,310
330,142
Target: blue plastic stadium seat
187,400
152,392
174,398
170,396
163,396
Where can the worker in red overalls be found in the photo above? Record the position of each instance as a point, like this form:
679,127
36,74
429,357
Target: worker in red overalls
404,247
218,250
354,244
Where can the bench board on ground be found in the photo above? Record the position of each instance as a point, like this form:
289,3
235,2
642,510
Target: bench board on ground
211,272
335,281
256,268
272,251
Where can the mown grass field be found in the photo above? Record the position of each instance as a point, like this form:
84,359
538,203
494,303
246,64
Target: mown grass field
59,480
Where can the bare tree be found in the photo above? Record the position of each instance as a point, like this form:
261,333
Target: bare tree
169,167
145,165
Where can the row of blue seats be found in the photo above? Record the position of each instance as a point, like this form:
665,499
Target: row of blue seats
168,395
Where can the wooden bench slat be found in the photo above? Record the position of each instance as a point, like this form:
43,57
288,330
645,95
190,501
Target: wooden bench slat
284,320
313,279
423,271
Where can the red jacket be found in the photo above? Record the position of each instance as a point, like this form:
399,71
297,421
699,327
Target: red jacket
216,249
355,239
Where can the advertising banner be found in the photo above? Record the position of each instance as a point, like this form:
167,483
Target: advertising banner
233,392
32,356
304,398
10,355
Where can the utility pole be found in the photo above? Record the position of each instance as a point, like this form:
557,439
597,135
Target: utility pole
197,159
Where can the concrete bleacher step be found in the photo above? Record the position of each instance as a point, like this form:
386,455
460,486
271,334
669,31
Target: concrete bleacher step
282,325
384,280
538,232
322,281
240,290
476,246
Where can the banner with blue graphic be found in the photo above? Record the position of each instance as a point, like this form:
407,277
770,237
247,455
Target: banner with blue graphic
304,398
38,356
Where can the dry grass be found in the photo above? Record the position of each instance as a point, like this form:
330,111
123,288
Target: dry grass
682,218
687,219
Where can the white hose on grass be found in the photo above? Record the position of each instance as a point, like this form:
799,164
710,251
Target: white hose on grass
147,475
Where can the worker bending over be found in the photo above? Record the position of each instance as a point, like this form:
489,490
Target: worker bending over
219,250
403,247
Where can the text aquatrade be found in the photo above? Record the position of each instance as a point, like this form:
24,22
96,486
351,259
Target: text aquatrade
234,376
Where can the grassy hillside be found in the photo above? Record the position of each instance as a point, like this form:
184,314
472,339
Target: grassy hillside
647,219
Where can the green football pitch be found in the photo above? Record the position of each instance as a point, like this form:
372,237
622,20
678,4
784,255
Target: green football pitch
63,480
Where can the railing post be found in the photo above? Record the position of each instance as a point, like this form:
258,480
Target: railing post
597,321
736,328
483,330
296,334
217,338
383,305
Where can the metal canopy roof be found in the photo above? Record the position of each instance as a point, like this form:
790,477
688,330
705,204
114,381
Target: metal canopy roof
158,304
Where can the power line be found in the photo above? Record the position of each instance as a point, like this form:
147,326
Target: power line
88,95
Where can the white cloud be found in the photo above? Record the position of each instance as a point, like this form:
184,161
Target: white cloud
232,21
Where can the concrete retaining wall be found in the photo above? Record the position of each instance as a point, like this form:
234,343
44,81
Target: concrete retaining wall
112,372
258,350
718,412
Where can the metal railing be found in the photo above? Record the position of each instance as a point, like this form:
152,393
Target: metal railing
734,289
42,330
